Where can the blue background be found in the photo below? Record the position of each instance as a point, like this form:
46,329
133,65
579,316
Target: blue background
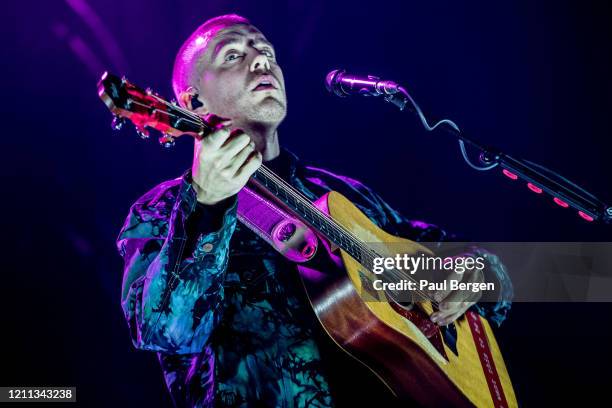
532,78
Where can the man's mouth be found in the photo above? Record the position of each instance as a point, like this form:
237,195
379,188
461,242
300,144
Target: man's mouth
264,84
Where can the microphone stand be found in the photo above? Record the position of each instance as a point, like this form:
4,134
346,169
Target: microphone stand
539,179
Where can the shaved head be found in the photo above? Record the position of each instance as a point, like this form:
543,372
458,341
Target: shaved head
188,64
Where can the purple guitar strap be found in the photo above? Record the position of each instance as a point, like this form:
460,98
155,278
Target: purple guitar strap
288,235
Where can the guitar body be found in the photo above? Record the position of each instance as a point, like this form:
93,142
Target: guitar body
391,345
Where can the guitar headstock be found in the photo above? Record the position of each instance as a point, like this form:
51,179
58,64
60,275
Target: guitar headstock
145,109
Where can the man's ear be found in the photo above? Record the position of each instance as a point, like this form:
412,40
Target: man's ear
192,101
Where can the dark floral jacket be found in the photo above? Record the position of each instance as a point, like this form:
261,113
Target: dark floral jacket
226,313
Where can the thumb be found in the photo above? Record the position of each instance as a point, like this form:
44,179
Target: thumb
215,121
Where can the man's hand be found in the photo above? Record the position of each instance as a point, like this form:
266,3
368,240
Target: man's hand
453,304
223,162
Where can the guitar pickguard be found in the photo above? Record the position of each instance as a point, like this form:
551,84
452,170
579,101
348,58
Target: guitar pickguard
420,319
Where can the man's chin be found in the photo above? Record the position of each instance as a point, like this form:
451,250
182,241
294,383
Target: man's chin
269,110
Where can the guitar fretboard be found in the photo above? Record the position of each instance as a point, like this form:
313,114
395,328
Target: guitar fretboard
305,210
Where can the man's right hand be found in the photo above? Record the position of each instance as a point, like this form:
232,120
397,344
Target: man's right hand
223,162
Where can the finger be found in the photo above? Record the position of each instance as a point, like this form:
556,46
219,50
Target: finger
448,319
470,277
235,143
217,138
450,312
241,157
457,301
442,294
214,123
251,164
461,295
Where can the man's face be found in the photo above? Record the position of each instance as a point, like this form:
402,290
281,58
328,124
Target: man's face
240,78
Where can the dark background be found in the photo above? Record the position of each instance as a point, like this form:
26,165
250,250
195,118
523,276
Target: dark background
532,78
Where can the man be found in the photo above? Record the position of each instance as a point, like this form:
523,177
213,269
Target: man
226,313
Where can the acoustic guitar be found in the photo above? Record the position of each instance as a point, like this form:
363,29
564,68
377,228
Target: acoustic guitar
399,344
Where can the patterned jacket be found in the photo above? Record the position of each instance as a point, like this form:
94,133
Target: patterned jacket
226,313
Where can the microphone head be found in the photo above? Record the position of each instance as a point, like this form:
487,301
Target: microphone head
332,82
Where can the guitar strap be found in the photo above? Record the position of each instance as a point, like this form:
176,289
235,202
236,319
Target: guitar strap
288,235
486,359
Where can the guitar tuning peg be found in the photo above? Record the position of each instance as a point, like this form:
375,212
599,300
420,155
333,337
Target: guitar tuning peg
149,91
166,140
142,132
173,102
117,123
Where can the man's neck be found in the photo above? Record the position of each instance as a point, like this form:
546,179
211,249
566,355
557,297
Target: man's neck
265,138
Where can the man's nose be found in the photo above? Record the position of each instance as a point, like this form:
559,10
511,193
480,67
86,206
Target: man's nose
260,63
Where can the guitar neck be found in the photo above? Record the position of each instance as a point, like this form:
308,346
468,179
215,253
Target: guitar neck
292,199
301,207
145,109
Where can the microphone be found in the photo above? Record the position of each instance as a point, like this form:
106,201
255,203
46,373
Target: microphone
343,84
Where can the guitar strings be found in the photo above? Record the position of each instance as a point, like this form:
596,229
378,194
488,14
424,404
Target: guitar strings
177,107
197,123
